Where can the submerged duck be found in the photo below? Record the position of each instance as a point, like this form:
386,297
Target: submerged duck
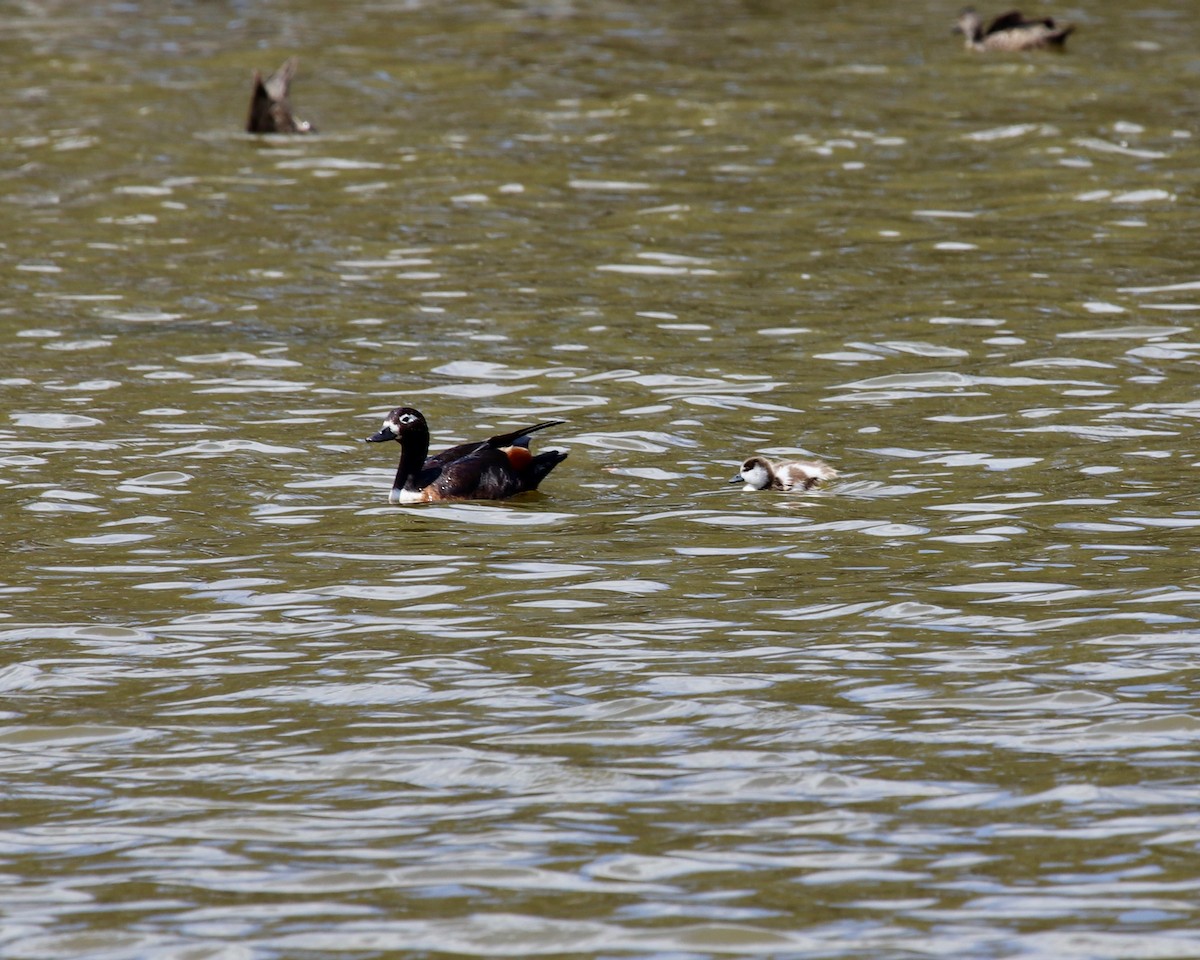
270,109
491,469
759,473
1011,31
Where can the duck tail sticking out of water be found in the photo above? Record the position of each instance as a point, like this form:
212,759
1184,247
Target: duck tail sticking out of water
270,106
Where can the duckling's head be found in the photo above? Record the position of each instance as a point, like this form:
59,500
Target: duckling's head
755,473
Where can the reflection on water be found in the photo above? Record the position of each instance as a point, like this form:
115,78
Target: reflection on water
945,705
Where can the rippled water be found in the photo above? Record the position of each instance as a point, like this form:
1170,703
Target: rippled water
944,707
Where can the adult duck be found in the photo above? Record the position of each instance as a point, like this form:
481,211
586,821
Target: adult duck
1011,31
492,469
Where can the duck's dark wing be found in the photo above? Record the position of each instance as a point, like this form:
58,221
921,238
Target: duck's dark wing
490,473
454,453
1006,21
1015,20
516,438
485,474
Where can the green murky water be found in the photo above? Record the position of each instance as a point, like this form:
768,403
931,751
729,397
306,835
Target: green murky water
946,707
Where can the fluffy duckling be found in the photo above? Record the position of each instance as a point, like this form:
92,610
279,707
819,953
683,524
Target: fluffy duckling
270,109
759,473
1011,31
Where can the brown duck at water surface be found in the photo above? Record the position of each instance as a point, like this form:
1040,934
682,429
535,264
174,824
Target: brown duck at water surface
270,108
1011,32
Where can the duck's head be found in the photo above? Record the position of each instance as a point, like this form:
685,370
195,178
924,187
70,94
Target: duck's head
969,24
755,473
403,423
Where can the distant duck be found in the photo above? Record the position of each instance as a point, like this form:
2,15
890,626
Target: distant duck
759,473
1011,31
491,469
270,109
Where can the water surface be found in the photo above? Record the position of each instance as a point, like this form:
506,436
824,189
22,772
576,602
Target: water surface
945,707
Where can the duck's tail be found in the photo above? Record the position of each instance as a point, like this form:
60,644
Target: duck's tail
542,464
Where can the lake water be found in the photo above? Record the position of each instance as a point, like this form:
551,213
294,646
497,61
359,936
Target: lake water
945,707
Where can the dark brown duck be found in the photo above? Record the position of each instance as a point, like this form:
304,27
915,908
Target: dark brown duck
491,469
270,107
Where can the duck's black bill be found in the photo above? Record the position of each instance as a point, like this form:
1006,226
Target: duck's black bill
381,436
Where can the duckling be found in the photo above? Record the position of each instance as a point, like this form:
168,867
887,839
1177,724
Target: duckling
491,469
1011,31
759,473
270,109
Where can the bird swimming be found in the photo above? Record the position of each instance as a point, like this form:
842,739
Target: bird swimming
270,108
1011,31
759,473
492,469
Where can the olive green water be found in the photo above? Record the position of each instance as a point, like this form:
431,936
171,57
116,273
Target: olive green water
947,707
